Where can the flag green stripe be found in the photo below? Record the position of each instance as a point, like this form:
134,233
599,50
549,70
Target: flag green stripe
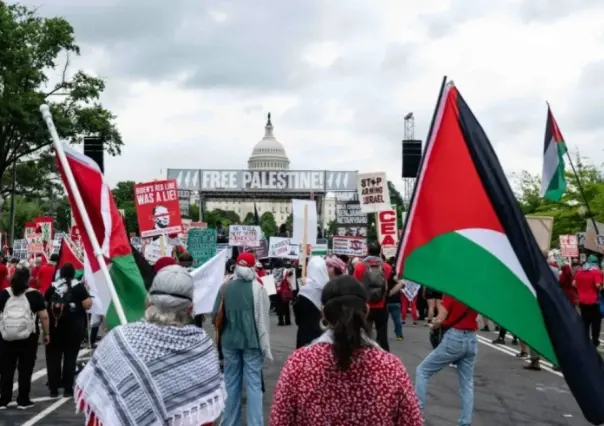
468,272
130,288
557,185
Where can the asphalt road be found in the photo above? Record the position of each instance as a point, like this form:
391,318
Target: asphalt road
504,393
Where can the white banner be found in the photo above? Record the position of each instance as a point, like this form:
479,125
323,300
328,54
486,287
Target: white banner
350,246
268,281
374,195
244,236
208,280
311,224
283,248
410,290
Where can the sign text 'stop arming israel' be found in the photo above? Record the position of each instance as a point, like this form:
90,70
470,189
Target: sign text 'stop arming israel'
373,192
350,214
264,180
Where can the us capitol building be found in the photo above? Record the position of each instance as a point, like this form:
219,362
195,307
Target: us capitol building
269,154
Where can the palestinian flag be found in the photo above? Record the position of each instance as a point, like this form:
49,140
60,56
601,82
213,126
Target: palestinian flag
68,255
110,233
466,236
553,181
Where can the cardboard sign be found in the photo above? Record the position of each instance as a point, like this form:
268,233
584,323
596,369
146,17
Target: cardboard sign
157,208
350,246
244,235
283,248
201,245
373,192
410,290
542,227
387,228
569,246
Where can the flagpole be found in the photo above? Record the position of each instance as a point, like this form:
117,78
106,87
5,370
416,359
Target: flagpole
579,184
98,253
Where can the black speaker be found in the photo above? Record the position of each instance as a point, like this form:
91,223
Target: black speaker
93,148
412,157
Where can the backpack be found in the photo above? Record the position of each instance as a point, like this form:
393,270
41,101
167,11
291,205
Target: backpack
285,291
374,280
17,321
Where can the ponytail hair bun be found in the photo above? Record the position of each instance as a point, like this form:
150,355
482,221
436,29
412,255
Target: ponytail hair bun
344,302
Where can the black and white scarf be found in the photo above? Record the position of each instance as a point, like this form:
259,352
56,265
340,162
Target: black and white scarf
144,374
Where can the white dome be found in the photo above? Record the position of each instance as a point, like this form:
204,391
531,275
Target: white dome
268,154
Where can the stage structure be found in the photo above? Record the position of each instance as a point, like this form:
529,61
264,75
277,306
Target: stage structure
412,154
250,185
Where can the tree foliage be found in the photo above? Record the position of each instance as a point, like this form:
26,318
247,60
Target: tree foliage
123,194
25,211
221,218
249,219
268,224
571,212
32,49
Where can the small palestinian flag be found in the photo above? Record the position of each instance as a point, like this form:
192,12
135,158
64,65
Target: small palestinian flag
466,236
553,181
68,255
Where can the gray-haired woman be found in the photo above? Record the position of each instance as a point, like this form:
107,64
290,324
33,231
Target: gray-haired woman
179,379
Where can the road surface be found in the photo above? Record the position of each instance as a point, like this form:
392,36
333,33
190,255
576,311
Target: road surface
505,394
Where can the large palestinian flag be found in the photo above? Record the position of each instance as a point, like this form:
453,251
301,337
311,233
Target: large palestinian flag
553,181
466,236
110,234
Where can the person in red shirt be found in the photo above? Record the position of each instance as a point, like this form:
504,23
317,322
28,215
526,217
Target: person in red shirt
46,273
588,282
260,272
566,282
378,311
3,274
459,347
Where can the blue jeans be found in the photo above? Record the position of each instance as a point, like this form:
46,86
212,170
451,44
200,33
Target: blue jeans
460,348
237,364
395,313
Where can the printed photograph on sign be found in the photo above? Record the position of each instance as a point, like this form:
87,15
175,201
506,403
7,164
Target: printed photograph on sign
157,208
283,248
374,195
350,246
244,235
351,231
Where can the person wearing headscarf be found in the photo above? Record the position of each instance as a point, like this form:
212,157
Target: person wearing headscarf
240,316
284,294
182,382
336,266
162,262
307,307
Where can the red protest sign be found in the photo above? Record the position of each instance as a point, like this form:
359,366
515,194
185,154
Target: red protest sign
157,208
387,232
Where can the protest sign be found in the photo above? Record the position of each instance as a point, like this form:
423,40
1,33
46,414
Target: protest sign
350,246
387,232
283,248
373,192
201,245
298,223
268,281
569,246
157,208
208,279
244,235
410,290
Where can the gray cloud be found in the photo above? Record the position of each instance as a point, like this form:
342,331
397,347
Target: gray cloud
552,10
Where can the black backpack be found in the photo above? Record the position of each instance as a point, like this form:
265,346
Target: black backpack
374,279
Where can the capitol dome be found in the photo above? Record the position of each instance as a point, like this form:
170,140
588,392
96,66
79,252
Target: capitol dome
268,154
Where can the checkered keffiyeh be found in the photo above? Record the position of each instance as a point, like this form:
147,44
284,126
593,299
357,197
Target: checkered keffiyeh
143,374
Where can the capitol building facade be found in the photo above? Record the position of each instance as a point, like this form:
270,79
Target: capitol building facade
269,154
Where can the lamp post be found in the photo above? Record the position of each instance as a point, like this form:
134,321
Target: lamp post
12,205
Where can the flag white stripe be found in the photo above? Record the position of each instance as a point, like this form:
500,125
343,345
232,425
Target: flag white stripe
550,166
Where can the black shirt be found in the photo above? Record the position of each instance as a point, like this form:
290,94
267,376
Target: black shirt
36,304
392,282
72,318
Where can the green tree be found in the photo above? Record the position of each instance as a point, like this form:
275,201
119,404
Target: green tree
331,227
396,199
570,213
289,224
123,192
249,219
32,48
221,218
194,212
268,224
25,211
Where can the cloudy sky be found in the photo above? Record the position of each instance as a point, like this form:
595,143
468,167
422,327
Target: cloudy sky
191,81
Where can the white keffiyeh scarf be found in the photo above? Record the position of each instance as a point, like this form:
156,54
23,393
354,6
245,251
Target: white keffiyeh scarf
143,374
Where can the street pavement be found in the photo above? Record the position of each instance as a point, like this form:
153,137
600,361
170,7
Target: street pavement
504,393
